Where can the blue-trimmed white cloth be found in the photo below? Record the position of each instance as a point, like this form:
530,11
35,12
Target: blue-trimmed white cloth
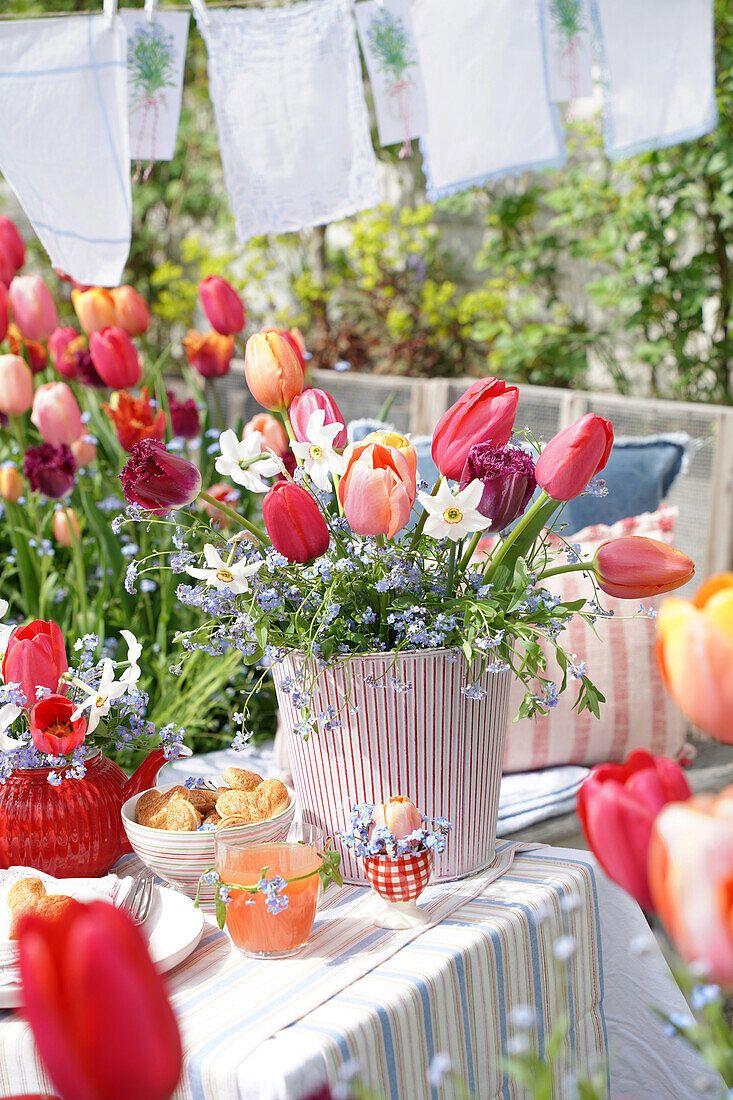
64,143
657,70
293,126
485,76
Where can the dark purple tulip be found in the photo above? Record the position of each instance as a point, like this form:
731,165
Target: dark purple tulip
50,470
157,480
508,478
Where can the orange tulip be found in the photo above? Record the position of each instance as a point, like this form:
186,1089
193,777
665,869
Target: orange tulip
273,371
399,815
131,309
227,494
84,451
273,434
134,418
695,653
32,350
377,490
16,385
95,308
634,567
65,527
12,485
399,442
690,876
208,352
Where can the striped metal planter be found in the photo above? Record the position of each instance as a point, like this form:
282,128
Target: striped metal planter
430,743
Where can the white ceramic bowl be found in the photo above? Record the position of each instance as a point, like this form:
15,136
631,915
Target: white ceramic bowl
181,858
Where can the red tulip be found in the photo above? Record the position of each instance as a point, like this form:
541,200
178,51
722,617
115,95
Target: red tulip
133,418
34,310
16,385
310,401
273,371
12,250
378,488
507,476
484,414
399,814
114,358
294,522
617,805
65,344
3,311
56,413
50,470
209,353
634,567
222,305
99,1012
131,310
157,480
574,456
35,657
52,729
185,420
95,307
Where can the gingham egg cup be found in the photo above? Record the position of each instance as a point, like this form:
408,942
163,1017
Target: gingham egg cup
400,882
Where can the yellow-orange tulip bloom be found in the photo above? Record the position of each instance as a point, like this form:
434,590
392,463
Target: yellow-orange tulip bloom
12,485
400,442
377,490
65,526
695,651
95,308
272,369
690,876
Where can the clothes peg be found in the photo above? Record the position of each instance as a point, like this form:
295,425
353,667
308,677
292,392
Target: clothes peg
110,9
151,7
201,11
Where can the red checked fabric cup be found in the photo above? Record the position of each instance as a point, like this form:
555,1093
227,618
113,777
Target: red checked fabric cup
401,879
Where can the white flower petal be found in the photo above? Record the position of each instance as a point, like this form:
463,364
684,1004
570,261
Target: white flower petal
469,498
3,608
229,445
315,424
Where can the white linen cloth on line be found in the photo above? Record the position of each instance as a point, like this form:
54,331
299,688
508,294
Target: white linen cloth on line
485,77
64,142
657,71
156,59
293,125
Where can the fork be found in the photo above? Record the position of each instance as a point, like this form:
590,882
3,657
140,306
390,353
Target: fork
138,900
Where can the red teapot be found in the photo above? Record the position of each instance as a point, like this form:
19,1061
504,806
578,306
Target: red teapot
73,830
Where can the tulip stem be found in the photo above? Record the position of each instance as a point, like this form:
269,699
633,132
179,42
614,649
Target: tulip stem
423,518
251,527
575,567
527,519
475,539
81,577
451,570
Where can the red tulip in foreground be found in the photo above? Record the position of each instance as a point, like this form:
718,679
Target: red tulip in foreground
115,358
222,305
157,480
33,308
574,456
617,806
690,876
50,470
310,401
12,250
507,476
484,414
35,657
633,567
294,522
52,728
273,371
99,1012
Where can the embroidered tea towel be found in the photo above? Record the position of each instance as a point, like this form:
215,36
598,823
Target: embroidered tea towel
568,49
290,111
390,51
156,58
489,110
658,72
64,145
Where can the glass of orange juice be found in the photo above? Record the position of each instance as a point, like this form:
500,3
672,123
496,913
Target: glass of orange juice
276,920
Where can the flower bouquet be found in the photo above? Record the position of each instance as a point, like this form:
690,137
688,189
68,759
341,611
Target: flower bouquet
60,797
391,633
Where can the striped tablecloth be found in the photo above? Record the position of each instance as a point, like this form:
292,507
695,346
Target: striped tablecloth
391,1001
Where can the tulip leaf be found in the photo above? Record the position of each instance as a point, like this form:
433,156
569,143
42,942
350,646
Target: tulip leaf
221,911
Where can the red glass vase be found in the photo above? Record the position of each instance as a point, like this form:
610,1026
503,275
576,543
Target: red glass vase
73,830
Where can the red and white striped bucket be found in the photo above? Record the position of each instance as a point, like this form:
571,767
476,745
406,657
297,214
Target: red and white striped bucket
430,743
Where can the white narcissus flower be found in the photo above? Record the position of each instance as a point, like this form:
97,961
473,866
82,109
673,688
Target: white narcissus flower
100,698
131,675
236,462
234,576
8,714
318,454
5,631
453,515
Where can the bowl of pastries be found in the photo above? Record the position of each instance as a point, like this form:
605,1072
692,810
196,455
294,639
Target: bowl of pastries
172,828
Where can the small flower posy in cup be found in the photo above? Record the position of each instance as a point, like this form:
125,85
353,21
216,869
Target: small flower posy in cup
266,894
398,845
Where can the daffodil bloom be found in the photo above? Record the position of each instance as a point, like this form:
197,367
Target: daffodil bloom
233,576
453,515
244,462
100,698
318,453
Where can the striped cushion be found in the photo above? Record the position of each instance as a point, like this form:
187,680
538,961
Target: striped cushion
638,713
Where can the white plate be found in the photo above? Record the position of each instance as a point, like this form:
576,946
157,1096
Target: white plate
172,930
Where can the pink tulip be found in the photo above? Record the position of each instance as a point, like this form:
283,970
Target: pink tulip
399,814
377,490
617,805
84,451
65,345
690,876
3,312
574,456
56,413
294,522
131,310
114,358
12,250
158,480
634,567
484,414
310,401
16,385
100,1015
35,657
222,305
34,310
